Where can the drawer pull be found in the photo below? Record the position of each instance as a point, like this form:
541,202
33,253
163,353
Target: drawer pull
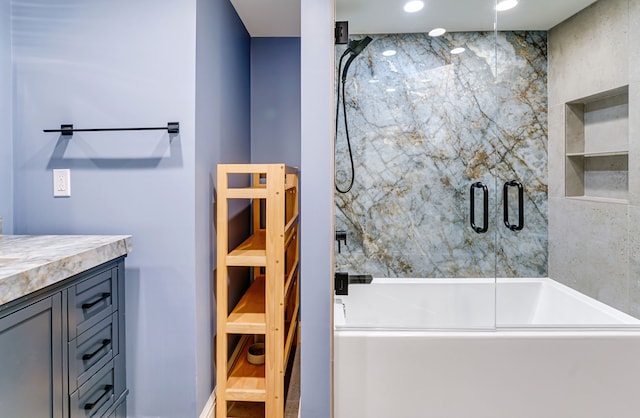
95,302
90,406
89,356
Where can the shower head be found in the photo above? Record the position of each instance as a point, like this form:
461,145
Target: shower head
354,48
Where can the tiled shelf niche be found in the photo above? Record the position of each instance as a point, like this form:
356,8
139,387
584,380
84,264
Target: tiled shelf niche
597,147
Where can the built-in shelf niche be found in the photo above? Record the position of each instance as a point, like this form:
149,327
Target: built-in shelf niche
597,146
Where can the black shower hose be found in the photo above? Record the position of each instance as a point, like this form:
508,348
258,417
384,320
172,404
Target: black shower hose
346,129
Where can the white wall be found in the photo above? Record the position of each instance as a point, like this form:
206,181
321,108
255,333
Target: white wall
6,143
316,211
593,243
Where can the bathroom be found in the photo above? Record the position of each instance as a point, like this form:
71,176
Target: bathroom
170,277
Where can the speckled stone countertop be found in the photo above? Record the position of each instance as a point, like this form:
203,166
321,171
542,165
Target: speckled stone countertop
33,262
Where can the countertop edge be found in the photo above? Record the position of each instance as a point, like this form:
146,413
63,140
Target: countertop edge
51,272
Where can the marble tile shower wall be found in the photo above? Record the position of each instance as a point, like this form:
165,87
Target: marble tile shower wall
424,125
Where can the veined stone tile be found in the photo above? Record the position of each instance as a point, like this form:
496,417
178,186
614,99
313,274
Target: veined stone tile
424,125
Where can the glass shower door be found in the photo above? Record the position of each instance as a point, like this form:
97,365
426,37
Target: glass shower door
419,217
573,259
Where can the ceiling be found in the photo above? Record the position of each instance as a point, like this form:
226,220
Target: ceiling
281,18
265,18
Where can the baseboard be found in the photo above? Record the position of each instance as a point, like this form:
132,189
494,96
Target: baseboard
209,410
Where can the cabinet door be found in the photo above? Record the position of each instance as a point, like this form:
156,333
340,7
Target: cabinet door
31,353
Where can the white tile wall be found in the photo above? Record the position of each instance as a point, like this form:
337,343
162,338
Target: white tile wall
594,246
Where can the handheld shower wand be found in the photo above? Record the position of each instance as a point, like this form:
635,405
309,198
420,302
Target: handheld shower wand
354,48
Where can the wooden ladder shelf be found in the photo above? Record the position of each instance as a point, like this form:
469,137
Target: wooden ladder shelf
270,306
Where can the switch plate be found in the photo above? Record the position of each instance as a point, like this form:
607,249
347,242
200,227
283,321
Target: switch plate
62,182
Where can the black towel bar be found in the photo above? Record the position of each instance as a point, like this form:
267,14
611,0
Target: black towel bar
68,130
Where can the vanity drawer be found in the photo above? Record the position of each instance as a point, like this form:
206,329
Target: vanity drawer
119,411
91,301
92,350
100,392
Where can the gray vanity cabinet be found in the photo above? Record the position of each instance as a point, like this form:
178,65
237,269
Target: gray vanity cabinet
31,357
62,349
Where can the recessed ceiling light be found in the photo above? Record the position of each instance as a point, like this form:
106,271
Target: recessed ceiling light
374,80
413,6
437,32
506,5
458,50
390,90
389,53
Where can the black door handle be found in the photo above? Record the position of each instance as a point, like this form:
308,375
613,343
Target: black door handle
505,202
485,201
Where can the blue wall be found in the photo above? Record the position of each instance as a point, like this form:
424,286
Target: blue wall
222,136
6,144
275,100
120,63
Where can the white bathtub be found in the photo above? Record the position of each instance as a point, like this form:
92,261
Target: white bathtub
553,352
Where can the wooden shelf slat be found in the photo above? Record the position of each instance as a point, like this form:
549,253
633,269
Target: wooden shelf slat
246,381
290,182
290,230
254,168
258,192
248,316
250,253
293,274
290,333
